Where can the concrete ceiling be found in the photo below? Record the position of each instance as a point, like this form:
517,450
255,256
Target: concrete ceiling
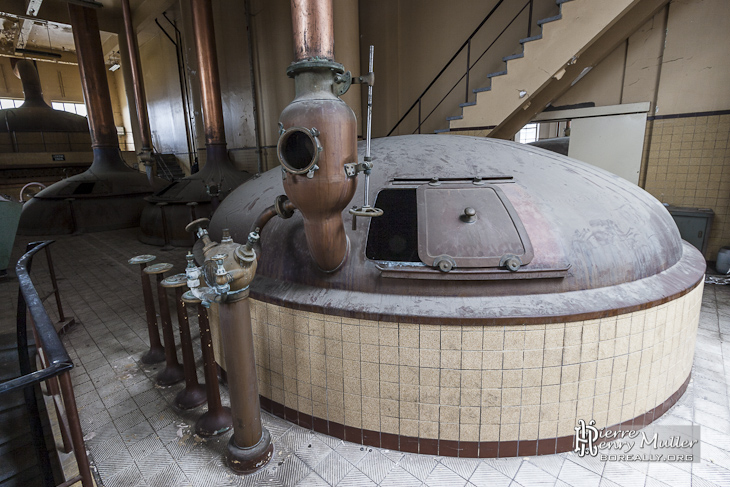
43,25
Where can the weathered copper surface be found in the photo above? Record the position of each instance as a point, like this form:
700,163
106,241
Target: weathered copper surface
623,249
313,25
140,99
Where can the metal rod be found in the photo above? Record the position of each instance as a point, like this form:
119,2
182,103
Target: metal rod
419,116
369,127
252,75
468,58
529,21
54,283
77,436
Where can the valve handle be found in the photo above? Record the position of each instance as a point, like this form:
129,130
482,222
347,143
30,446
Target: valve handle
195,224
366,211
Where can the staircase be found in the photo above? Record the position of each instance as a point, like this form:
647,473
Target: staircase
168,167
566,44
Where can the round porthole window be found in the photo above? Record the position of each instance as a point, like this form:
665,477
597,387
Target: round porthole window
298,149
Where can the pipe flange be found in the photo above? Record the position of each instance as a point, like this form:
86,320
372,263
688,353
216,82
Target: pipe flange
313,64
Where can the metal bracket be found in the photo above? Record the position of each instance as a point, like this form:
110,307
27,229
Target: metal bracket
342,83
353,168
310,173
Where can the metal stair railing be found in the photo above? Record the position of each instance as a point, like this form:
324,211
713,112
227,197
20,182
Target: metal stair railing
469,64
57,366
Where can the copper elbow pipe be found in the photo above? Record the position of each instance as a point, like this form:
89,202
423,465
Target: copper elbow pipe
94,83
140,100
210,85
283,208
313,25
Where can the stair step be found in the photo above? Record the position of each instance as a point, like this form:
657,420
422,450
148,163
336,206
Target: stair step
497,73
471,103
530,39
441,131
479,90
457,117
513,56
549,19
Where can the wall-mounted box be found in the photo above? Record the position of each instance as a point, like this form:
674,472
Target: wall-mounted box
694,224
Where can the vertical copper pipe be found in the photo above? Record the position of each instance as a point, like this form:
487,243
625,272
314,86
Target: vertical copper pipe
217,419
93,76
210,85
314,27
173,372
156,353
248,433
77,436
140,99
194,394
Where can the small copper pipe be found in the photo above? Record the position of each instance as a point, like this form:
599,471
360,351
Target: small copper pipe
77,436
93,76
194,394
210,85
140,99
285,210
314,28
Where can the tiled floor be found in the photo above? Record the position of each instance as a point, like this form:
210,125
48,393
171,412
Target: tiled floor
136,437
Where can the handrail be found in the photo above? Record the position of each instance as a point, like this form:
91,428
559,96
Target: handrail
467,45
57,364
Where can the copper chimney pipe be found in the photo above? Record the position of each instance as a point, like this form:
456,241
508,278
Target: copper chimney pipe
318,138
140,99
210,85
28,74
314,27
93,77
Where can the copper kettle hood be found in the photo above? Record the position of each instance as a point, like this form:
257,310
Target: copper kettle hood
109,195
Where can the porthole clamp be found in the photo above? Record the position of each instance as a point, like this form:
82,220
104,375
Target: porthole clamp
298,150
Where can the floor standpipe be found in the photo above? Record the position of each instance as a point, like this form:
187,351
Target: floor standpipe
156,353
173,371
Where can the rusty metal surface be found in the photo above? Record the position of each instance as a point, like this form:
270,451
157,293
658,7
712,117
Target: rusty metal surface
622,246
314,29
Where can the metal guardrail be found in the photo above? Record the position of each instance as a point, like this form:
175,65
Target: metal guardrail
469,65
56,371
